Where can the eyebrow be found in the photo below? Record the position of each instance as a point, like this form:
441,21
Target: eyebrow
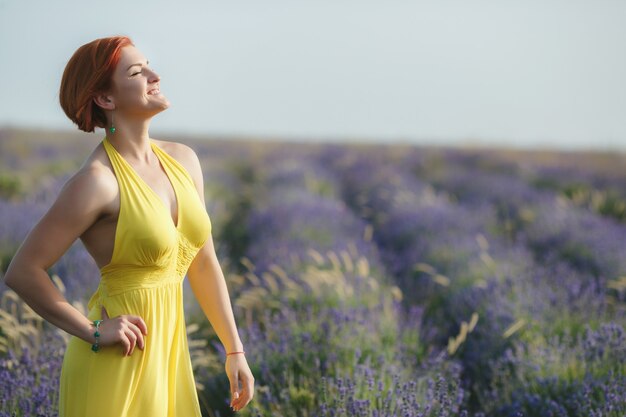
139,63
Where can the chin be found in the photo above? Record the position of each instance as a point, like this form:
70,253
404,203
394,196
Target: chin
161,108
166,104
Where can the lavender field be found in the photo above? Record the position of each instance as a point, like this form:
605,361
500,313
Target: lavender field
369,280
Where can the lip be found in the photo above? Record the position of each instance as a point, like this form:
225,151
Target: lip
152,91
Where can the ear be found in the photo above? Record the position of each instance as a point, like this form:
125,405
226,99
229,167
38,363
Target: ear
105,101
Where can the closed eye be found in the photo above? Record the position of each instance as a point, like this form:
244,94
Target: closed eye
137,64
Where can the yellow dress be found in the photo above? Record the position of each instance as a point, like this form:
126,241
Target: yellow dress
150,259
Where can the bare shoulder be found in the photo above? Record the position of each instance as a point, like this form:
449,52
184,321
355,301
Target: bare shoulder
89,194
185,155
95,181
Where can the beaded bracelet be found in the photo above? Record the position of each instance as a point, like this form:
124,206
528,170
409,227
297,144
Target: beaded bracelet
232,353
95,347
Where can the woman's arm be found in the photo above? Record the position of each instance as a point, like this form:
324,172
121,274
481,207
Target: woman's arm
206,276
80,202
209,286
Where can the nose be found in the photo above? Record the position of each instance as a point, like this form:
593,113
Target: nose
154,77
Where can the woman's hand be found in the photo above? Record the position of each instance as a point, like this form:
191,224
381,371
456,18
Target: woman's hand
237,370
127,330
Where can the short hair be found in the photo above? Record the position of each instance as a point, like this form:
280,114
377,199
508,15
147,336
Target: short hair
89,72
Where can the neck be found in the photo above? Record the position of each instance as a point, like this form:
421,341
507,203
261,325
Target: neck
132,140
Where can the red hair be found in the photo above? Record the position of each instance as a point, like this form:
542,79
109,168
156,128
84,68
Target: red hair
89,72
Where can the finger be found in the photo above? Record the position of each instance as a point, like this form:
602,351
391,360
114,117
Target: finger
139,336
125,344
244,398
234,387
246,393
132,337
235,398
250,387
139,322
242,394
133,341
239,402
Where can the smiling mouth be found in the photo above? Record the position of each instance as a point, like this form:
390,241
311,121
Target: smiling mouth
154,92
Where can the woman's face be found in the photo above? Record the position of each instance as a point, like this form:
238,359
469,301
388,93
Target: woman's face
136,89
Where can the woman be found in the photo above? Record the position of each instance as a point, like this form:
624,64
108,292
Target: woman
137,204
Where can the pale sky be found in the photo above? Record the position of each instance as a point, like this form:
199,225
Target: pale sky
533,73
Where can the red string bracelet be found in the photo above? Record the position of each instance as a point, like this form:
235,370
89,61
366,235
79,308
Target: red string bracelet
232,353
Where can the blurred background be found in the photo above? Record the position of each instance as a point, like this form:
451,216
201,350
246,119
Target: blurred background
419,207
541,74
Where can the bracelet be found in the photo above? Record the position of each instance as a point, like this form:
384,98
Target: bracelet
232,353
95,347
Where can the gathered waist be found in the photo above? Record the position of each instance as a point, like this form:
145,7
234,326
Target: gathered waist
133,277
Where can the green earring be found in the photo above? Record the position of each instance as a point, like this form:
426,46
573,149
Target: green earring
112,128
